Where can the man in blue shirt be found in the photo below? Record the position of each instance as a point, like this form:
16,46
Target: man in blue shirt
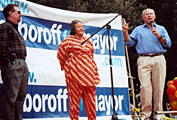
151,42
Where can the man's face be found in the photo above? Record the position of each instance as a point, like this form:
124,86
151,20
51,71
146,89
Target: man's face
148,16
15,14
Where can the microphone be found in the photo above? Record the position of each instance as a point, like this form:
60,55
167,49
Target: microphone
152,24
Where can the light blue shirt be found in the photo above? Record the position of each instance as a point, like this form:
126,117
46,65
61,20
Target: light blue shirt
146,42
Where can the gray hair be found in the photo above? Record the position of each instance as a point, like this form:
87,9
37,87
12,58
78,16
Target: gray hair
147,9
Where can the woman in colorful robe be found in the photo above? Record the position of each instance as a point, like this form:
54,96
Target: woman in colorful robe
81,73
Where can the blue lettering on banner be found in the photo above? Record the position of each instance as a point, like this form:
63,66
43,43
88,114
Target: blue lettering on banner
43,101
46,34
53,101
32,79
116,62
22,5
100,41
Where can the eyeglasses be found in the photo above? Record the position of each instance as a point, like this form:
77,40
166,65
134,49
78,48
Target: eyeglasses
17,12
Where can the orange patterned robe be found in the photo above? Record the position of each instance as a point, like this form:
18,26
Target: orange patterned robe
81,74
78,61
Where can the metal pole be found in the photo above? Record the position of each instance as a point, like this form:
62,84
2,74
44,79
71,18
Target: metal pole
111,20
114,116
131,81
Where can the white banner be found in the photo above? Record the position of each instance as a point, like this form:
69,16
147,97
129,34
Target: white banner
43,29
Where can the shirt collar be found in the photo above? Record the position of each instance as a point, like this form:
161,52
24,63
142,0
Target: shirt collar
144,25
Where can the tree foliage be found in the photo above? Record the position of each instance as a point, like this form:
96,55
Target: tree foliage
132,14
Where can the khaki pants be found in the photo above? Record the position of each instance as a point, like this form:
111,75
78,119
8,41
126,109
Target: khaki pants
152,74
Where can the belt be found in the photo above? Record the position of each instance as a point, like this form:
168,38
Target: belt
151,55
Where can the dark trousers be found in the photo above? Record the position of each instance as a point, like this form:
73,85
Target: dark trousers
15,81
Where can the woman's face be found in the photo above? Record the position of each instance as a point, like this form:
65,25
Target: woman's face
79,29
